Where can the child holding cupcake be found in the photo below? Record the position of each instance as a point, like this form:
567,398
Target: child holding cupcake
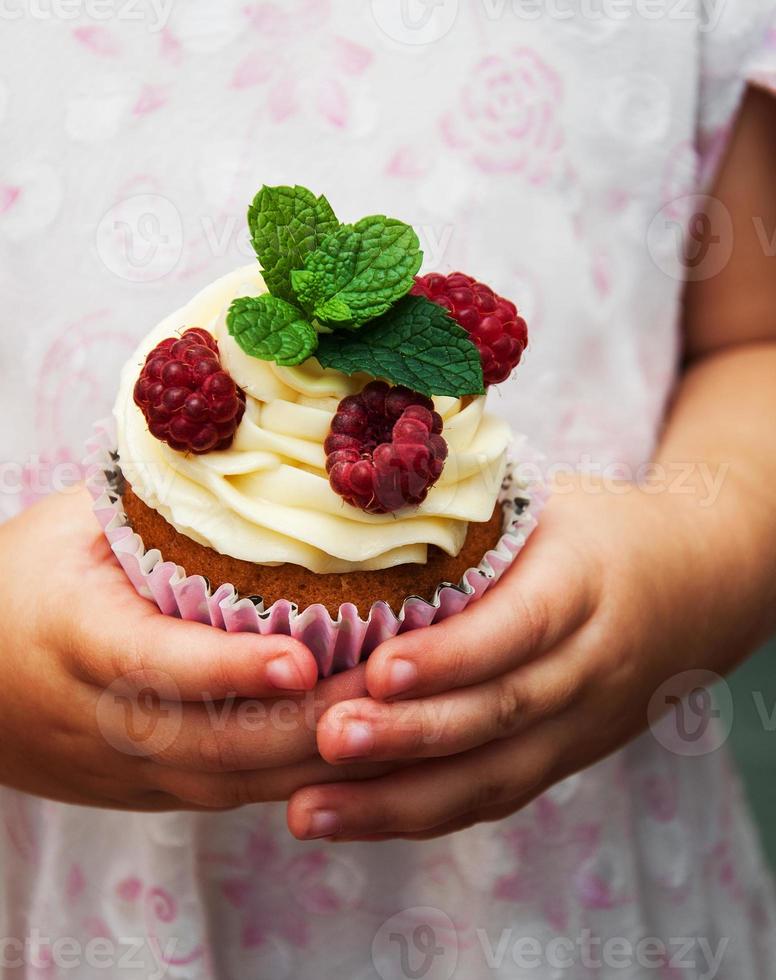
489,781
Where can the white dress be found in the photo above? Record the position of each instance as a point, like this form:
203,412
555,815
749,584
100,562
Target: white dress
552,150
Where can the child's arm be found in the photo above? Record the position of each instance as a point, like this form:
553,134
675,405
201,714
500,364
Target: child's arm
616,593
105,702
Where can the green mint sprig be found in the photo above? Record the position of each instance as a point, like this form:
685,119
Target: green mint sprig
270,328
358,272
286,225
416,343
340,292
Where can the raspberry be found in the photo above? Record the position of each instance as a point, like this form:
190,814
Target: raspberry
385,449
491,321
187,399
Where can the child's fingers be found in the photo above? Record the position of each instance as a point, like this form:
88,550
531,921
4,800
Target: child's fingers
427,794
222,791
447,724
224,737
231,735
186,661
462,822
533,608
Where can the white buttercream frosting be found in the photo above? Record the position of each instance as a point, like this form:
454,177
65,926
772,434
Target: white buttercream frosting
267,499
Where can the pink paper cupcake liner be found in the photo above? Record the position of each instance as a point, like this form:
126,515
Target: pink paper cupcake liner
336,643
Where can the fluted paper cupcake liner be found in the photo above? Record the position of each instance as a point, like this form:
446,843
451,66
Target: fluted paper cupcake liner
337,643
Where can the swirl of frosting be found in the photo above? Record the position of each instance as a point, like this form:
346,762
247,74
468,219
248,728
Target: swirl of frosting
267,499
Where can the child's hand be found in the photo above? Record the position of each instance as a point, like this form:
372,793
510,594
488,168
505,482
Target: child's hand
614,594
550,671
102,698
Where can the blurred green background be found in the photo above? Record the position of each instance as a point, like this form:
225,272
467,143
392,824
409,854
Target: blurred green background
754,745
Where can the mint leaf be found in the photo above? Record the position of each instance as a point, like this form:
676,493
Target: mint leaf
358,272
416,344
286,224
271,329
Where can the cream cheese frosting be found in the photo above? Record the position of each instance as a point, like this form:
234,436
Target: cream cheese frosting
267,498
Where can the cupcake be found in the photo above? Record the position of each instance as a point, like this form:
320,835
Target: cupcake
307,440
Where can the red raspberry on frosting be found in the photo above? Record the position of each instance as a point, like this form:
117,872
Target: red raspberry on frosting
491,321
188,400
385,449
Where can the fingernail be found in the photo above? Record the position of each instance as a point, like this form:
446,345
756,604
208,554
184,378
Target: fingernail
357,741
322,823
284,674
402,675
